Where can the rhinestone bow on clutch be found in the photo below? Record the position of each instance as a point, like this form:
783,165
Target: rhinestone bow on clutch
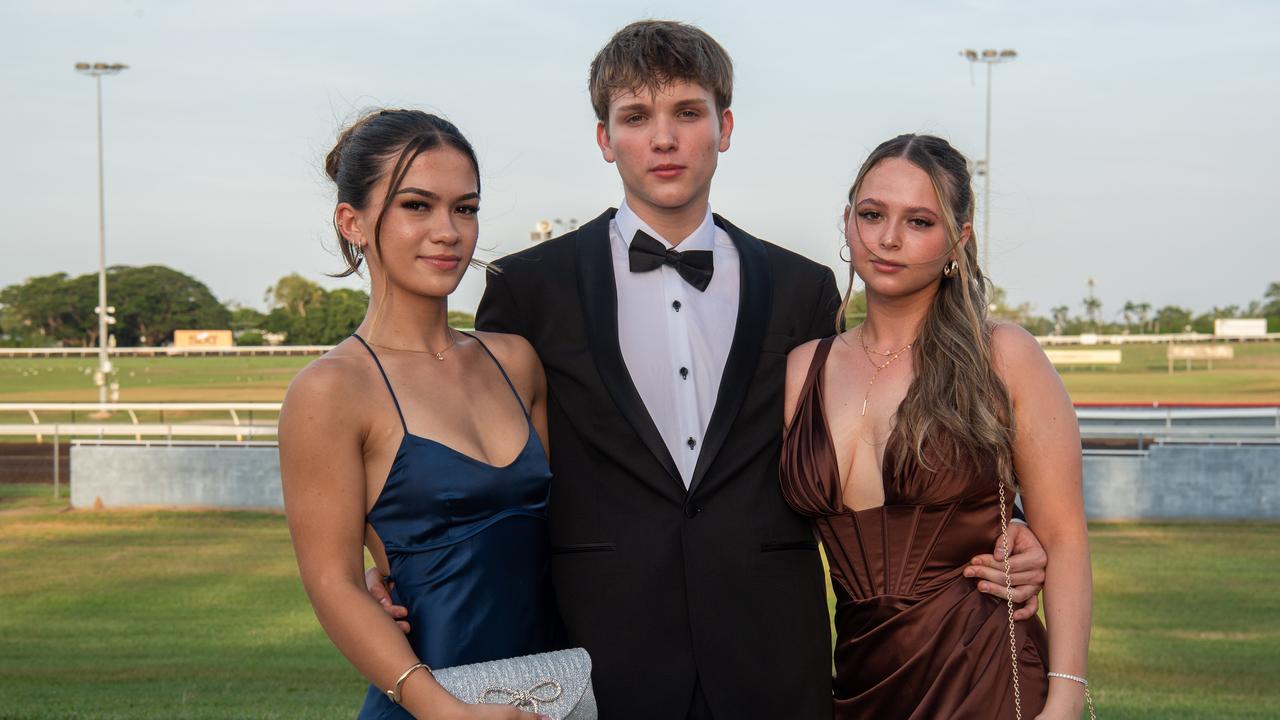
547,691
557,684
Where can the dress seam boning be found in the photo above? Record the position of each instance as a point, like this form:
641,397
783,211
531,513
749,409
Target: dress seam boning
933,541
915,523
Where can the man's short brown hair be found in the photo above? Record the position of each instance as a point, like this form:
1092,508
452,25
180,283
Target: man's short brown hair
650,54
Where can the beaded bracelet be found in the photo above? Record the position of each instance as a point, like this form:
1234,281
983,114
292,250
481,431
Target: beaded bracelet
1065,676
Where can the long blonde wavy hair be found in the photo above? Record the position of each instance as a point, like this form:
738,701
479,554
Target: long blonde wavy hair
957,410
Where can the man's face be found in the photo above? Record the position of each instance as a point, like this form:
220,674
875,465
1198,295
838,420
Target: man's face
665,145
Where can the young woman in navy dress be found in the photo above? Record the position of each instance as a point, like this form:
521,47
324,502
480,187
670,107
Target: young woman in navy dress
418,442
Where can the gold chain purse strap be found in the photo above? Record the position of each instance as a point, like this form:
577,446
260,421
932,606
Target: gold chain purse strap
1013,643
1008,596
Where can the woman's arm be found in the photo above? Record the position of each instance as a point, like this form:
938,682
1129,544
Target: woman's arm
538,395
322,472
522,365
798,361
1047,460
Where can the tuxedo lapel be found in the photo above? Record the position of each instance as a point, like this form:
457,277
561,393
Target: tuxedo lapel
599,299
755,298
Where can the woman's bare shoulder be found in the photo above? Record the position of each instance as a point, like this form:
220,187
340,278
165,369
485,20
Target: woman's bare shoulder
1014,349
513,351
798,362
801,355
1023,366
331,383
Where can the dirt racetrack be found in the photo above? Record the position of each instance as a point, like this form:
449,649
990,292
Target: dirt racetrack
29,462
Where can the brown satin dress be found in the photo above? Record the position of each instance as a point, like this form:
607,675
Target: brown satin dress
914,637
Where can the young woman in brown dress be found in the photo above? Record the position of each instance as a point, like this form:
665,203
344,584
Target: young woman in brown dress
907,436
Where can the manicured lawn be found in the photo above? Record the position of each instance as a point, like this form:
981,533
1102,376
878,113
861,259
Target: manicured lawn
1254,376
200,615
1187,620
159,379
1143,376
158,615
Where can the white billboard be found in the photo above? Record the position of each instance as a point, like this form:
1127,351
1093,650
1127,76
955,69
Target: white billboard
1240,327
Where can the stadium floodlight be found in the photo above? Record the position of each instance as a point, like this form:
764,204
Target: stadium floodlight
990,58
102,376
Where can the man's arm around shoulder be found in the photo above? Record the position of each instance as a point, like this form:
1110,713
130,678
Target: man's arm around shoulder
826,306
499,311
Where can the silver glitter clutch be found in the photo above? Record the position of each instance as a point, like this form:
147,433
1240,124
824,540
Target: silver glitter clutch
556,684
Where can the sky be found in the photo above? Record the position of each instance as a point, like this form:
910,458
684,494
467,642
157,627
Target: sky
1134,143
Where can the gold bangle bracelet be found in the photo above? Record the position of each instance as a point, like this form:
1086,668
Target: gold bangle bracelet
394,693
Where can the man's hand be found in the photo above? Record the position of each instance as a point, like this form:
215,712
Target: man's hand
378,588
1027,562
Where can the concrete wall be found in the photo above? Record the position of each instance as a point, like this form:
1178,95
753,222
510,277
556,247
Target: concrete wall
1185,482
1170,482
125,475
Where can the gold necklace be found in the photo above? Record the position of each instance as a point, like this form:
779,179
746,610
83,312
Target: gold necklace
891,355
439,354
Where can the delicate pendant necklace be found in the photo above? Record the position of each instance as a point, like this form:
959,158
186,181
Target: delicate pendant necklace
878,366
439,354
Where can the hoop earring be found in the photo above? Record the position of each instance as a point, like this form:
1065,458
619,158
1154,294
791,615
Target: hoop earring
841,253
949,270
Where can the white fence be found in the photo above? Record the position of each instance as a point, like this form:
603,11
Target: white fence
240,423
252,350
92,352
240,426
170,351
1147,426
1089,339
1129,432
249,421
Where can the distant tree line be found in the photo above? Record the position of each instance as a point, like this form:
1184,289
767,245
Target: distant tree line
1132,318
150,303
1135,317
153,301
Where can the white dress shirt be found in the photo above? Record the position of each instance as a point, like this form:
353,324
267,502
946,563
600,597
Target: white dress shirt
675,340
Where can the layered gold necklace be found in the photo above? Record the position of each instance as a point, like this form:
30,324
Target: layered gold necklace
892,355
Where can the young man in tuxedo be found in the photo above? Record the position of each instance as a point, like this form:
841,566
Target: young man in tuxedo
664,331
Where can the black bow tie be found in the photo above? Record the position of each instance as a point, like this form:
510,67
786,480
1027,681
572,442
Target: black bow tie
646,254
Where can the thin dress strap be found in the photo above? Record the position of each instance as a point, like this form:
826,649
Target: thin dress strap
808,470
502,370
386,380
820,354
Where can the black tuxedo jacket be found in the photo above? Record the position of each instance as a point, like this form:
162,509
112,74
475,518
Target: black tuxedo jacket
721,584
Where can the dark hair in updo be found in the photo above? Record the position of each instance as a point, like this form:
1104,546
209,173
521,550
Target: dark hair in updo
360,159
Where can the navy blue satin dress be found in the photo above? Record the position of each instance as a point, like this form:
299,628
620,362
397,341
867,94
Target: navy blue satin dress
468,548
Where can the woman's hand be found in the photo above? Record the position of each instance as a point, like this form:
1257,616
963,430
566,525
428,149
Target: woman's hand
377,586
1027,563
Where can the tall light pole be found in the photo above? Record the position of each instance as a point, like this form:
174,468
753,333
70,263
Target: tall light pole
96,71
990,58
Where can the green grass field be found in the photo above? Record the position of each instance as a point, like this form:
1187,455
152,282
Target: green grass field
1254,376
1143,376
158,379
117,614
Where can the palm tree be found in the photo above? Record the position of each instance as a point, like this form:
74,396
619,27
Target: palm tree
1128,311
1059,318
1093,307
1144,313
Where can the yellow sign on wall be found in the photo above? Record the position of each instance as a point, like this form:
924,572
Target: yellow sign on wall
202,338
